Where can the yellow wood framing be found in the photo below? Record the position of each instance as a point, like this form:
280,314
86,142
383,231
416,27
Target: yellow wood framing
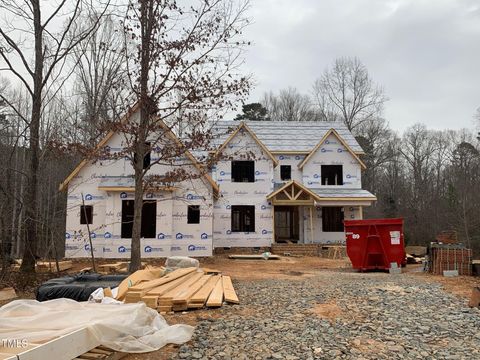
293,198
107,137
337,135
243,125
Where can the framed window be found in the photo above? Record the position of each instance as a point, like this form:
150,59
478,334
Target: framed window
193,214
332,219
243,218
86,214
332,175
149,219
147,158
243,171
285,172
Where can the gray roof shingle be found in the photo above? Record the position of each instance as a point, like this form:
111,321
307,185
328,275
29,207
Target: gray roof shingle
288,135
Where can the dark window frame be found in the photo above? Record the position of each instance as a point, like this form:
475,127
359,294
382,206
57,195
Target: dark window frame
242,218
86,217
333,174
193,214
285,172
149,219
332,219
147,159
243,171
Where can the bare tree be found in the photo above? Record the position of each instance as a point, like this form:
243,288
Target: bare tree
288,105
183,75
38,71
347,92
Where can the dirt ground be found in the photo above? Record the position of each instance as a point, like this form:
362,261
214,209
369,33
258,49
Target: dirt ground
293,268
289,268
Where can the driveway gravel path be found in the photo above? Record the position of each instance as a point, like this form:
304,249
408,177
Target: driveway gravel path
335,314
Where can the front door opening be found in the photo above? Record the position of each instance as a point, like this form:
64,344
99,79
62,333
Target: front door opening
286,224
149,219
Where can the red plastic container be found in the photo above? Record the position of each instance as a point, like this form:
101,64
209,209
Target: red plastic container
375,243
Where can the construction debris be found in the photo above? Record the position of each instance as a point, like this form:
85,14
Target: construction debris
102,353
254,257
183,289
7,294
475,298
450,257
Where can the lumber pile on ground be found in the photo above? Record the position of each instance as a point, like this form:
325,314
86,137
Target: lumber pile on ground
184,289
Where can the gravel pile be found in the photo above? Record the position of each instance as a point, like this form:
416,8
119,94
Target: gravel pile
339,315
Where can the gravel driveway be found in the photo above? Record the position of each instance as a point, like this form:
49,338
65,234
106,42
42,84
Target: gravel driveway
335,314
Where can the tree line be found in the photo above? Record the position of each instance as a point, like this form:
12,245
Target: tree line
431,178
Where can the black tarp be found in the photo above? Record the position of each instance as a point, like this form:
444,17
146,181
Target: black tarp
76,287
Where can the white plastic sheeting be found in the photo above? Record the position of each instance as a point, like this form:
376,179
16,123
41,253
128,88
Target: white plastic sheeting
127,327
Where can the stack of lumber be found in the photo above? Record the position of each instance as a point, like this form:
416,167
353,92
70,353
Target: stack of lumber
51,265
121,266
183,289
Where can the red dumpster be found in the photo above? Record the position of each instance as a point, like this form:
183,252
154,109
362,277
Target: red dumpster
375,243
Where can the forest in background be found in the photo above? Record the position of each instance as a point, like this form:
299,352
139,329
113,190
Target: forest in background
429,177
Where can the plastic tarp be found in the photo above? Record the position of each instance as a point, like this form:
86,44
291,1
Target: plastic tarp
78,287
123,327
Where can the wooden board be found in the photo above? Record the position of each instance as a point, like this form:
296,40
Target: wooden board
52,266
180,301
150,300
254,257
201,296
167,298
229,291
144,287
216,296
163,289
136,278
7,294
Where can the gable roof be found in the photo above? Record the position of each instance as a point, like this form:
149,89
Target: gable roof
243,125
109,135
344,143
294,183
288,136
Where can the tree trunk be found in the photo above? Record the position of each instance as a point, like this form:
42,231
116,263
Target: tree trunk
135,255
28,262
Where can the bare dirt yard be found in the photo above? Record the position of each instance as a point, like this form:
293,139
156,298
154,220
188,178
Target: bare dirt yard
314,308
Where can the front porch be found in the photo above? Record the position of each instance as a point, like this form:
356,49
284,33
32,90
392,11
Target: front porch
314,216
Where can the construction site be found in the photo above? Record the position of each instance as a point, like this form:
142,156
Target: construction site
297,303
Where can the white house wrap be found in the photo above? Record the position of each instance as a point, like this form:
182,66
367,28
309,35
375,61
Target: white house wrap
273,182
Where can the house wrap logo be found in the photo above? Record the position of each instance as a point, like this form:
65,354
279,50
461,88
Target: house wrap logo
87,247
88,197
228,207
67,236
196,248
339,150
149,249
265,232
297,157
228,232
204,236
123,195
316,176
260,173
93,235
180,236
122,249
107,235
281,157
193,197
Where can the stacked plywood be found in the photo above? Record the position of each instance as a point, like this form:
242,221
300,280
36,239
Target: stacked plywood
183,289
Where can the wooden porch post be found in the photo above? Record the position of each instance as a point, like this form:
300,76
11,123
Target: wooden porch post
360,212
311,224
273,222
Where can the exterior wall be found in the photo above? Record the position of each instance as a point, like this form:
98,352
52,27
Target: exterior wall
293,161
332,152
243,147
352,212
173,235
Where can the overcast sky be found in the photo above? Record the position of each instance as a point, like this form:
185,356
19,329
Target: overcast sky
426,53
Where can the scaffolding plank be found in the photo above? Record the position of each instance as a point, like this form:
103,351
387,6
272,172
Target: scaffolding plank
216,297
229,291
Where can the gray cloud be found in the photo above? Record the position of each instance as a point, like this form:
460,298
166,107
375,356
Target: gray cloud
426,53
